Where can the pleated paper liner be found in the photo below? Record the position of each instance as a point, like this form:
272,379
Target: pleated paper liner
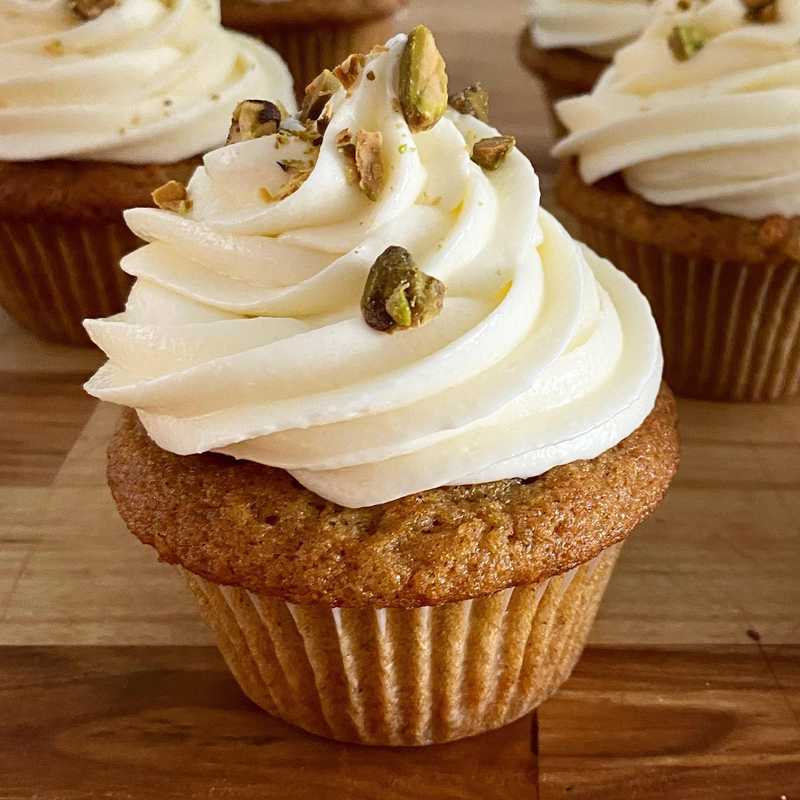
309,49
385,676
53,275
730,331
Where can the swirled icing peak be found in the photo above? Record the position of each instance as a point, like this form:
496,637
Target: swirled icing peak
703,110
141,81
244,332
597,27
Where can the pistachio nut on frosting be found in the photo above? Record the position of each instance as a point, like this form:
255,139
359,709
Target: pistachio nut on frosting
703,110
134,81
374,300
596,27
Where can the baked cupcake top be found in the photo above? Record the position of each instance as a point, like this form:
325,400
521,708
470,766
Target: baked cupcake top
703,110
596,27
132,81
370,297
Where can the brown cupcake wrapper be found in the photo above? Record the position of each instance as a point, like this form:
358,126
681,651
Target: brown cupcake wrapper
729,331
308,49
391,676
53,275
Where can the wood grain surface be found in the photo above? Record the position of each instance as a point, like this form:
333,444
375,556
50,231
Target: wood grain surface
109,686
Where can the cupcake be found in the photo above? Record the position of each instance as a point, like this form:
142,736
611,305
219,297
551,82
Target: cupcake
389,420
313,35
568,43
683,167
100,103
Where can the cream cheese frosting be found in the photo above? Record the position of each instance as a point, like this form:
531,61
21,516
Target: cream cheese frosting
144,82
596,27
243,332
720,130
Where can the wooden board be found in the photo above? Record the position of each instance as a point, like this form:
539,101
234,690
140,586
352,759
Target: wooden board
109,686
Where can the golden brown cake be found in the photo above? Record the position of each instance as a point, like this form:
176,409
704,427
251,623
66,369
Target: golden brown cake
80,141
691,185
313,35
392,423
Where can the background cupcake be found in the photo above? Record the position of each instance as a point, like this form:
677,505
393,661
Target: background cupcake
313,35
568,43
683,167
448,413
100,103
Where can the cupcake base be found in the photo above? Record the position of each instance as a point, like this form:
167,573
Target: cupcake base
393,676
730,318
53,275
563,72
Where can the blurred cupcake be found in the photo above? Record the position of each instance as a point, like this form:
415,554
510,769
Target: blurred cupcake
101,102
683,167
447,415
568,43
313,35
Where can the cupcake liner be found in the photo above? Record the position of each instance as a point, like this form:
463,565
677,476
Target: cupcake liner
392,676
729,331
53,275
308,49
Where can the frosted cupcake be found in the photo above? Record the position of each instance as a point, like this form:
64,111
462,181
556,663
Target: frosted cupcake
315,34
391,421
101,102
568,43
683,167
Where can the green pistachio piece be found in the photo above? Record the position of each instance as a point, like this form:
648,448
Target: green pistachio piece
761,10
423,81
318,92
686,41
473,100
172,196
490,153
90,9
369,162
253,119
397,295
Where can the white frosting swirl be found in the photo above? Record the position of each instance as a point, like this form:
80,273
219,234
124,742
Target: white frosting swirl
719,131
596,27
243,332
145,82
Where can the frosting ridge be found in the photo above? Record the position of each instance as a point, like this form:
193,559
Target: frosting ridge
243,332
144,82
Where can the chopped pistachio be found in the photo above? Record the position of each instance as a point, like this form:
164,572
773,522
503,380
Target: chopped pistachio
423,81
369,162
172,196
397,295
348,71
253,119
90,9
490,153
55,47
347,147
318,92
761,10
297,171
686,41
473,100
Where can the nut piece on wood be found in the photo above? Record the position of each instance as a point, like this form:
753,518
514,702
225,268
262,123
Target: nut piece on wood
172,196
253,119
473,100
423,81
90,9
490,153
397,295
